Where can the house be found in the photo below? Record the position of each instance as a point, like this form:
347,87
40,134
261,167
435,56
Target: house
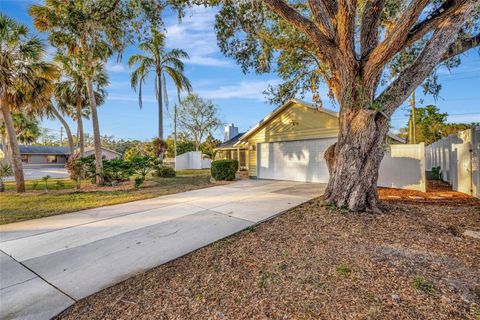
107,154
228,150
44,154
289,144
56,154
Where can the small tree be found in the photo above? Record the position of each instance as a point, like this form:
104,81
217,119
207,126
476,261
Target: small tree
45,180
5,171
197,118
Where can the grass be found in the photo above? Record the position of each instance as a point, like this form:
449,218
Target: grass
38,204
343,270
420,283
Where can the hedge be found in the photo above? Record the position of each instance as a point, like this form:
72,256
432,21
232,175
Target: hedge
166,172
224,169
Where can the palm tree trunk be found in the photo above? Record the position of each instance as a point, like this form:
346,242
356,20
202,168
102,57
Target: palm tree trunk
96,132
80,138
160,106
67,129
14,148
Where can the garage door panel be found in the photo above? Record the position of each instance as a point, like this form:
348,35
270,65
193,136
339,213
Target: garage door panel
300,160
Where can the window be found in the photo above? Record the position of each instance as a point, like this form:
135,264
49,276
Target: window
24,158
51,159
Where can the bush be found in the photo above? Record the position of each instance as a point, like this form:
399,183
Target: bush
224,169
166,172
436,173
138,182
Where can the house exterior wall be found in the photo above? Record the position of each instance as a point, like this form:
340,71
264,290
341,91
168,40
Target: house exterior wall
297,122
109,155
37,159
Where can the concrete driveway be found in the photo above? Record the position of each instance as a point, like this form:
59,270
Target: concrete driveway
37,171
48,264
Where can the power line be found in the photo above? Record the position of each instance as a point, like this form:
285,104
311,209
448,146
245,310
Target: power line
450,114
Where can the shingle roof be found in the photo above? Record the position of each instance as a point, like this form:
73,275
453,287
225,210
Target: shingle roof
231,142
44,150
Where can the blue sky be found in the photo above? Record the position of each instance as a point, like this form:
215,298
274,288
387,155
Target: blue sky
238,96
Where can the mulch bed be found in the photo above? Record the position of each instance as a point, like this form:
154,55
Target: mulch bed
412,262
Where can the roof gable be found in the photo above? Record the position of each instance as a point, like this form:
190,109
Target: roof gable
278,111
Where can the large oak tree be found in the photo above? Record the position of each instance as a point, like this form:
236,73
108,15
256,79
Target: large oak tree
350,45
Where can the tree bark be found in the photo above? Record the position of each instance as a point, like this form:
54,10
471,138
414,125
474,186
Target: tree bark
14,147
96,132
354,160
80,138
67,129
160,106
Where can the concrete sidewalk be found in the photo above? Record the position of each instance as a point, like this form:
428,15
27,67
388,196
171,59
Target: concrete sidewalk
48,264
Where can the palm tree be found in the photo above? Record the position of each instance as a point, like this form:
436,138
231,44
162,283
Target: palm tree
160,62
71,94
89,31
25,81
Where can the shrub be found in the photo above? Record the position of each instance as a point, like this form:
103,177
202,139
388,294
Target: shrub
5,171
142,165
436,173
116,170
224,169
166,172
35,185
138,182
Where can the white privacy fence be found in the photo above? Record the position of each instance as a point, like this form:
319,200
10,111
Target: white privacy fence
458,156
403,166
191,160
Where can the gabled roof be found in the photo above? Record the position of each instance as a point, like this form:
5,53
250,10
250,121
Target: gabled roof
286,105
55,150
88,149
230,143
276,111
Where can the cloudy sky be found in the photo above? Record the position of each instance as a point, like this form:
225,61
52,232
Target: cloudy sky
238,96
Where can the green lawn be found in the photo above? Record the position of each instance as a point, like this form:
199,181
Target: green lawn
36,204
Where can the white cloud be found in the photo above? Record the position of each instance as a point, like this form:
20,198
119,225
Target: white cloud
195,34
130,97
242,90
116,67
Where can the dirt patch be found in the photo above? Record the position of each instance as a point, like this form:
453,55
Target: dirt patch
316,263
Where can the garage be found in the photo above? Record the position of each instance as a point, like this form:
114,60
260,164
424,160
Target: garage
299,160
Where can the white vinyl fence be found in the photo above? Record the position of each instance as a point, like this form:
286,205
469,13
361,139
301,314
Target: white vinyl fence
191,160
403,167
458,156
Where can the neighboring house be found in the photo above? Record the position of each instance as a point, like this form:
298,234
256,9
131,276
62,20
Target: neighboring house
107,154
56,154
290,142
228,150
44,154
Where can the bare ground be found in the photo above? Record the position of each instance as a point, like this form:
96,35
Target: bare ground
412,262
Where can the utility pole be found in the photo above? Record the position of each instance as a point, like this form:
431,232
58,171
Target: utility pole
414,121
61,136
175,130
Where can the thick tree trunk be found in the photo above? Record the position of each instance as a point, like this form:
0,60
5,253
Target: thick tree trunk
14,148
160,106
80,138
96,132
67,129
355,159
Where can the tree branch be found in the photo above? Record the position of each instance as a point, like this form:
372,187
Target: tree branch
327,48
346,26
432,54
369,28
462,46
324,16
394,41
432,21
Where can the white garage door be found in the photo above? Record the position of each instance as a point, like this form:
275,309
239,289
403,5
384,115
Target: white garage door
300,160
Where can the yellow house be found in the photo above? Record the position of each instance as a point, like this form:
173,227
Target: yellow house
289,143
